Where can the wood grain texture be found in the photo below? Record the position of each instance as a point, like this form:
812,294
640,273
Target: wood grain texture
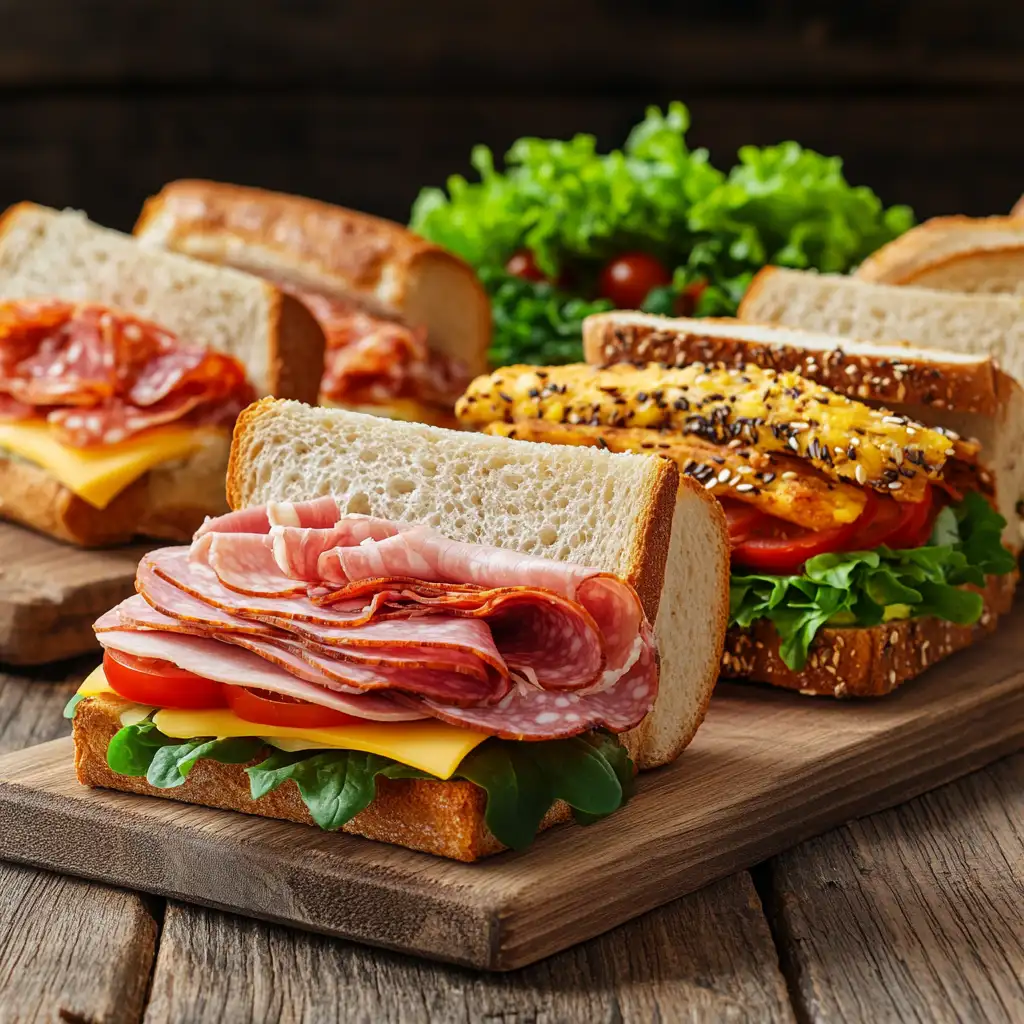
31,705
706,957
912,915
51,593
767,770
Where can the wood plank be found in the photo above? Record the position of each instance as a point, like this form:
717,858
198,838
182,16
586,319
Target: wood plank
31,706
708,956
912,915
767,770
52,593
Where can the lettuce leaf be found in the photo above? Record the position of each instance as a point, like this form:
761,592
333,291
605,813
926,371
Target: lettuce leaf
855,588
592,773
575,208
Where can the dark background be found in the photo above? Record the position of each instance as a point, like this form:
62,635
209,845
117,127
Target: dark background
101,101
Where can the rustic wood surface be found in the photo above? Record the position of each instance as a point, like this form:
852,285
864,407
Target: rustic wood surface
51,593
880,920
768,769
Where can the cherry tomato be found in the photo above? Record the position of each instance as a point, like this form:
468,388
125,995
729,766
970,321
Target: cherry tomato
740,518
628,279
522,264
264,708
160,683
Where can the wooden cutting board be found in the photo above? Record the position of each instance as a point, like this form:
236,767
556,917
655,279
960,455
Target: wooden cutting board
51,593
767,770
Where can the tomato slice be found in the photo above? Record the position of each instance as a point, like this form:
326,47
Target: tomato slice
741,518
915,526
160,683
264,708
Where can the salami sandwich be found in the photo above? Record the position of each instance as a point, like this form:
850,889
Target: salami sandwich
872,492
122,371
435,638
407,323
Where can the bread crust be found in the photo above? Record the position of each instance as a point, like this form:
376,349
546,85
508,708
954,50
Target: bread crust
978,386
862,662
325,248
442,818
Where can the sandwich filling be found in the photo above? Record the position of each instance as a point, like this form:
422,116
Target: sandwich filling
99,397
358,647
839,514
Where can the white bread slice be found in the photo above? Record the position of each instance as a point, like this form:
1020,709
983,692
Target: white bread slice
47,253
1018,208
990,325
614,512
957,254
966,393
330,250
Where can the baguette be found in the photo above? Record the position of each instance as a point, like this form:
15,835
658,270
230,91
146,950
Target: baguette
862,662
442,818
329,250
987,325
45,253
959,254
614,512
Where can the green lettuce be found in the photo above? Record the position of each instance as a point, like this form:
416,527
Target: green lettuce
856,588
574,208
592,773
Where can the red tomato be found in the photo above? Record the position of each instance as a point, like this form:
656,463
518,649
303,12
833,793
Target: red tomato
915,526
686,302
740,518
265,708
160,683
628,279
522,264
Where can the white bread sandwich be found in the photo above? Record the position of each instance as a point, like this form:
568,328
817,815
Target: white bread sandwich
407,323
428,637
986,325
121,373
955,254
865,545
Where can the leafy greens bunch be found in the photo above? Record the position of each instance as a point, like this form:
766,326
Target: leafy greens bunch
575,208
862,588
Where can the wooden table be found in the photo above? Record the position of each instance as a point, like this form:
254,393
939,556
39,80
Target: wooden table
916,914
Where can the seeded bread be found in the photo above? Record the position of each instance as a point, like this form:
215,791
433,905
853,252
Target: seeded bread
443,818
48,254
987,325
861,662
959,254
625,514
330,250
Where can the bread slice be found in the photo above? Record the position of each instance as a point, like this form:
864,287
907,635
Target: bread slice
443,818
47,253
990,325
330,250
625,514
957,254
169,502
1018,208
862,662
962,392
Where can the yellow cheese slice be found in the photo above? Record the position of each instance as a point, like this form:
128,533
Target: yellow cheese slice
431,746
97,475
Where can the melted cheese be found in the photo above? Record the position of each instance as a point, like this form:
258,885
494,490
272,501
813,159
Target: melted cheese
429,745
97,475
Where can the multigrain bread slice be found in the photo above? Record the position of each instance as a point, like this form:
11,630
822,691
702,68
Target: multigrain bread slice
862,662
46,253
991,325
625,514
966,393
318,247
442,818
166,503
958,254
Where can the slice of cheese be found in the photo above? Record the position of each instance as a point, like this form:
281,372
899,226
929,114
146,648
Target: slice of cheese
431,746
97,475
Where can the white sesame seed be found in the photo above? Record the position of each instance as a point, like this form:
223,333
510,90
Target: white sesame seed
793,444
860,474
896,421
724,475
789,475
744,487
895,485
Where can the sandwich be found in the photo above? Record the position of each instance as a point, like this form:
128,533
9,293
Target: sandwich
407,323
986,325
956,254
434,638
865,545
122,371
1018,208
